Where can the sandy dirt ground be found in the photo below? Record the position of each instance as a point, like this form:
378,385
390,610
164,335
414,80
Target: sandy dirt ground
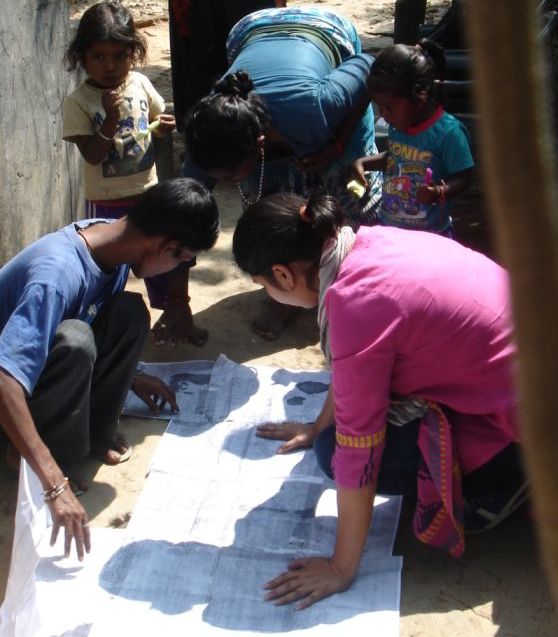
498,587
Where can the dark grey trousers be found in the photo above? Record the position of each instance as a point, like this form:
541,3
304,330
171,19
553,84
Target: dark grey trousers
88,373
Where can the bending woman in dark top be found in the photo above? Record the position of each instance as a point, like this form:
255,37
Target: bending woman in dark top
291,114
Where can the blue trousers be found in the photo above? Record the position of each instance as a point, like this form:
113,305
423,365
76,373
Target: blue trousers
398,473
400,462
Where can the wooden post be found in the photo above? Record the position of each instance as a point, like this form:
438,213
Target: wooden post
518,160
39,173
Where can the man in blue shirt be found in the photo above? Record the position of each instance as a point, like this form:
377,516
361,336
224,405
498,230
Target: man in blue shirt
70,337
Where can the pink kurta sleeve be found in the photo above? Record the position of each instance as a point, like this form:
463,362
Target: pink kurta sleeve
364,347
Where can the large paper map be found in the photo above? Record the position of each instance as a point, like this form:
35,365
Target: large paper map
221,513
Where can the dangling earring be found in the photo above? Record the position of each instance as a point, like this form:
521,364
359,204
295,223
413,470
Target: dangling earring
250,202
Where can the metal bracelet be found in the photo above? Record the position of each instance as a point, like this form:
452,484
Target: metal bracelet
51,494
107,139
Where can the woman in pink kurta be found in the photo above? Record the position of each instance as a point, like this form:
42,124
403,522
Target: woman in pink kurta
414,314
418,334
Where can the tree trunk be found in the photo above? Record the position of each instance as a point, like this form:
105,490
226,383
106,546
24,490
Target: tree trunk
39,173
517,143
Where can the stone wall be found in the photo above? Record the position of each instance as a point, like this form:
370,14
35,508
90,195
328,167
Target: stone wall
39,173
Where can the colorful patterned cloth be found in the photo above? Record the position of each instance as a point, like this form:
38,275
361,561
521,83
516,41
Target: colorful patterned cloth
318,21
438,519
307,66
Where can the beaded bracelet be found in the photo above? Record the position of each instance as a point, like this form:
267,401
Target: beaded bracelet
51,494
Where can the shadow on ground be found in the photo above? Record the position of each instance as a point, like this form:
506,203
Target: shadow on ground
234,338
499,579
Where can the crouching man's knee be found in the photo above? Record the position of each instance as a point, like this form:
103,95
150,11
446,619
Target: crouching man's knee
74,342
130,310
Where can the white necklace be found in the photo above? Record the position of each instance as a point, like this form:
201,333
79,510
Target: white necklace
249,202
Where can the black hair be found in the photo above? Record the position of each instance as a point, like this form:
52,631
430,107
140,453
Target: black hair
275,231
222,129
105,21
407,70
182,210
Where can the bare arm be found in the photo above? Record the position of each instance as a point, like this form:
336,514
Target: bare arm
458,183
349,123
372,162
312,579
18,424
355,514
453,186
299,435
94,148
176,323
343,134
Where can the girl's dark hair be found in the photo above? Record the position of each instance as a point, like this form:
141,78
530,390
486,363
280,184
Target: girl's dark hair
105,21
407,70
222,129
181,209
275,231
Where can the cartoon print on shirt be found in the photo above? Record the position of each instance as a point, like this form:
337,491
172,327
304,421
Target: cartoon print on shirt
402,181
128,156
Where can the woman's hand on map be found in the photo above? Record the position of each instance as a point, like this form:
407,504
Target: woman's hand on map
154,393
308,579
298,435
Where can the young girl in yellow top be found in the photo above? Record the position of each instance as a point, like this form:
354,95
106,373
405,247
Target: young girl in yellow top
111,117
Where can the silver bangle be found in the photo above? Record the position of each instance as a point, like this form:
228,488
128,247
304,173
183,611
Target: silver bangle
107,139
51,494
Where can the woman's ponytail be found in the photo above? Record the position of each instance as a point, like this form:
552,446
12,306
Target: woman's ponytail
324,214
284,228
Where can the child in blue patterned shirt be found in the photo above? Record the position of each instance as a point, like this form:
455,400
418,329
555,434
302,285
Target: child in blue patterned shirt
428,160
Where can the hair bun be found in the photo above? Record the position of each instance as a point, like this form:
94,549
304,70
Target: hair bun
435,52
238,84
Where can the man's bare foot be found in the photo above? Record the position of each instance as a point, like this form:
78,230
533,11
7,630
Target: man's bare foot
197,336
112,452
272,319
176,324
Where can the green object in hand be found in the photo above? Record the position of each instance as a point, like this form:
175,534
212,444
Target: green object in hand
130,138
